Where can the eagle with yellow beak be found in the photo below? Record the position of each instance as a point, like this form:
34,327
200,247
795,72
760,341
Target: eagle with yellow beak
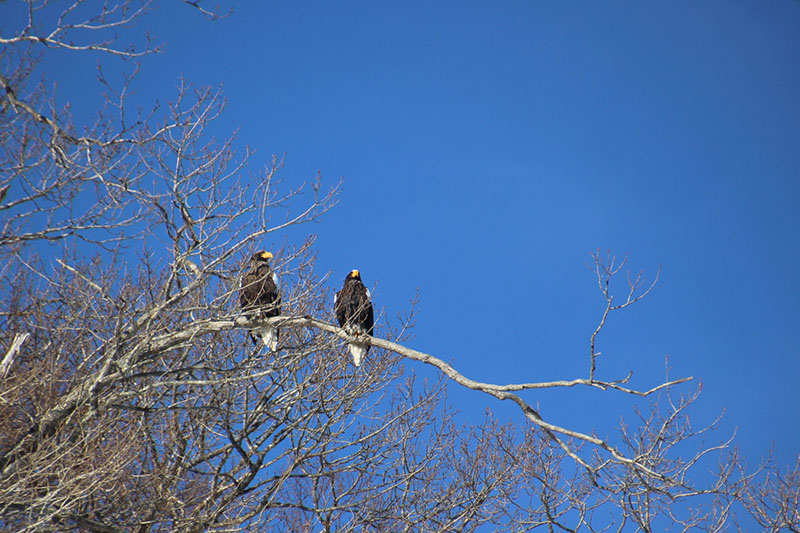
353,309
259,297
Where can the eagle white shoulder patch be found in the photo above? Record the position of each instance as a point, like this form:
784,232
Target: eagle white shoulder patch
276,280
369,294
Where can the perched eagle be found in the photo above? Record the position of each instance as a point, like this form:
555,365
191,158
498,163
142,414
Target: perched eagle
354,312
259,297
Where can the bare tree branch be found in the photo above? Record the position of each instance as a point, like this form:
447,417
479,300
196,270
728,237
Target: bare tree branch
131,400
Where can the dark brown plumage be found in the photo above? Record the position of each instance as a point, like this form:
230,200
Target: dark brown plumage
353,309
259,296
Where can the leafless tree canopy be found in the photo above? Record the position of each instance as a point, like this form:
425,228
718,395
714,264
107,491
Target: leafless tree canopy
130,399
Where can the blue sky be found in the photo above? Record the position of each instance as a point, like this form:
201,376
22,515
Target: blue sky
486,149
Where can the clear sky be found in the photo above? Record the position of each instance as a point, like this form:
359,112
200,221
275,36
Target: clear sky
486,148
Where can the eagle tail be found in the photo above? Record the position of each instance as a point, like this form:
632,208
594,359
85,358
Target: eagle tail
358,351
269,336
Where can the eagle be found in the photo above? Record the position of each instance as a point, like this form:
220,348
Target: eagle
259,297
353,310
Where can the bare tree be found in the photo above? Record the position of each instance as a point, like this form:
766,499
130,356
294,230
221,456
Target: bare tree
130,399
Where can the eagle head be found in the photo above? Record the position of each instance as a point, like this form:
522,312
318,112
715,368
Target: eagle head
262,256
354,274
